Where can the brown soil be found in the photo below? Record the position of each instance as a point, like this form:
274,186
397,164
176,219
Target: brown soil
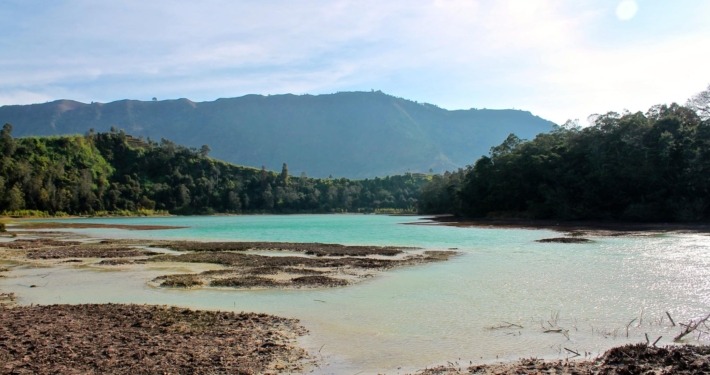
318,281
623,360
263,282
87,251
303,271
180,280
599,228
318,249
564,240
133,339
246,282
251,260
259,271
58,225
121,262
37,243
324,265
7,298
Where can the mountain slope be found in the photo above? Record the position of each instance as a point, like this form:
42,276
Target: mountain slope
353,134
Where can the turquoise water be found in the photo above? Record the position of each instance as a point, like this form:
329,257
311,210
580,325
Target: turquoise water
430,314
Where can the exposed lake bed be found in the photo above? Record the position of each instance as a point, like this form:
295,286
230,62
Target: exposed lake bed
423,314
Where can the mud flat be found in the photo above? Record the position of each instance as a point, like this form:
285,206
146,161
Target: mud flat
140,339
32,225
298,265
564,240
623,360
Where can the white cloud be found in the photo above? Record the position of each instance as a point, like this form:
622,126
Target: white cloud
557,58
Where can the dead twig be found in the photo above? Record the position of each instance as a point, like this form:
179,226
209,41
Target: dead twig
671,319
627,326
690,327
657,340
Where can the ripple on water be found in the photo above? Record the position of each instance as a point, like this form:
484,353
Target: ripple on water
429,314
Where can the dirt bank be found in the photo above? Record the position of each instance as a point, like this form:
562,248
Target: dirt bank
133,339
624,360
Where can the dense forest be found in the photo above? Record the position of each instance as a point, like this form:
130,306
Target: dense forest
652,166
100,173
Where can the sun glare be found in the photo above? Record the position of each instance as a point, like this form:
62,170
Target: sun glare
626,10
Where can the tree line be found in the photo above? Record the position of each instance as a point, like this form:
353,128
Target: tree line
652,166
114,172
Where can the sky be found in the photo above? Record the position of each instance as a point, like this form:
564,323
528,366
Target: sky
558,59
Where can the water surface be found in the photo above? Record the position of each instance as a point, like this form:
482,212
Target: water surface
430,314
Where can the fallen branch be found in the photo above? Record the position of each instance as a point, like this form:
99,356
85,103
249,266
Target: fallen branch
690,327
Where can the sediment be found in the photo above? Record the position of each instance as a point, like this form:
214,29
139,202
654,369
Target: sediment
624,360
140,339
318,265
31,225
259,271
565,240
317,249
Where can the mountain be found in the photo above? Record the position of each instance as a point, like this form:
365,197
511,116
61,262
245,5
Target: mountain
349,134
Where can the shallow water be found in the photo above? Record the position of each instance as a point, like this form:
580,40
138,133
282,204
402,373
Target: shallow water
430,314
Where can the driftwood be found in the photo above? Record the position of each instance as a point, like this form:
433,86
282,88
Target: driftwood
690,327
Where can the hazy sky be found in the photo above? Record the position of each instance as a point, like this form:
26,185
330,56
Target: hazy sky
558,59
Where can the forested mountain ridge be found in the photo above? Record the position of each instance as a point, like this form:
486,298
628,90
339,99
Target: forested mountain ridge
351,134
112,172
652,166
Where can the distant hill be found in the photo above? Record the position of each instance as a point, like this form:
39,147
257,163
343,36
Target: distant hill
348,134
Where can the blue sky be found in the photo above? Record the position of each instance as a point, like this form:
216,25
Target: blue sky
559,59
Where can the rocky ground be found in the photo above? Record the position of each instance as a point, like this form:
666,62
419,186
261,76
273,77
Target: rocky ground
135,339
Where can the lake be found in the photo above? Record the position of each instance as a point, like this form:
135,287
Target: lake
504,297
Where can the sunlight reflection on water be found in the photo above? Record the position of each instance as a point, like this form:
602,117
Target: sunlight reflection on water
424,315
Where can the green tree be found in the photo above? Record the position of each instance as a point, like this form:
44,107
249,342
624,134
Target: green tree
7,143
205,150
284,175
14,200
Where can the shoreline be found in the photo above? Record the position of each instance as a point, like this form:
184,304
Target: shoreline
595,228
628,359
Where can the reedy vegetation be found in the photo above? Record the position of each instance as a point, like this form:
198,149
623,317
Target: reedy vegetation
652,166
110,172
